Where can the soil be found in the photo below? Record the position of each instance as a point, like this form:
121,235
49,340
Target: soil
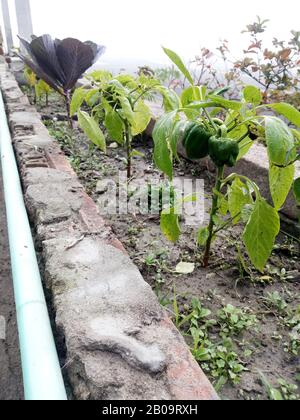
262,349
11,387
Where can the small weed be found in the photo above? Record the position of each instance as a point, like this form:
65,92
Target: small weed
293,346
273,300
234,320
288,391
220,361
282,392
198,319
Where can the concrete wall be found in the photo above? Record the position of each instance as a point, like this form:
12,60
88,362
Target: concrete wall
117,339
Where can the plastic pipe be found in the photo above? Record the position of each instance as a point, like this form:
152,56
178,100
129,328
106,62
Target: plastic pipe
42,377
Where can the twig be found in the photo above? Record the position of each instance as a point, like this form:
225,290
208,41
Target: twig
75,243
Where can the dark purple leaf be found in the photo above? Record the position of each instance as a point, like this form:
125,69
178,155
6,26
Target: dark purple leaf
60,63
98,50
75,58
44,50
41,74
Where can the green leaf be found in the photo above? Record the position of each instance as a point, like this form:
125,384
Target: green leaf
141,118
280,142
136,153
92,130
176,135
238,197
273,393
127,80
245,145
252,95
163,156
189,95
169,224
101,76
260,233
223,205
179,64
296,134
115,126
171,100
281,181
44,87
202,236
225,103
297,190
185,268
287,111
127,111
77,100
91,97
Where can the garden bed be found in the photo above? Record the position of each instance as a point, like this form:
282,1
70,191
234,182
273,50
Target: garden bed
246,322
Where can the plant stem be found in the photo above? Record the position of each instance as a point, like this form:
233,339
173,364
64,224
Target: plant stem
68,106
128,148
213,213
214,126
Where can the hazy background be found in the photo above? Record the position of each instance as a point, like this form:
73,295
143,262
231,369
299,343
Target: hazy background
134,30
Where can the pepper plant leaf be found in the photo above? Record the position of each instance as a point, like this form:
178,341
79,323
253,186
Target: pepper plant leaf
238,197
169,223
92,130
226,103
202,236
126,111
297,190
115,126
288,111
141,118
179,64
163,156
171,100
280,142
260,233
252,95
77,100
281,181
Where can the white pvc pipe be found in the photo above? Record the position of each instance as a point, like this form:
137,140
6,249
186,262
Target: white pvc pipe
40,365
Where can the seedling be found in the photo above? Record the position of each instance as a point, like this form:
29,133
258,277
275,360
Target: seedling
233,320
221,361
120,103
39,87
284,391
274,300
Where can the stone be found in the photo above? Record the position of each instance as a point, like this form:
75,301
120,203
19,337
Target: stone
100,297
52,202
113,146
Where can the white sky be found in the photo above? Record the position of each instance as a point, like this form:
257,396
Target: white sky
135,29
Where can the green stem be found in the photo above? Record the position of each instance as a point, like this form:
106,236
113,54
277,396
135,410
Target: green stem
129,150
213,213
228,223
214,126
243,137
141,95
